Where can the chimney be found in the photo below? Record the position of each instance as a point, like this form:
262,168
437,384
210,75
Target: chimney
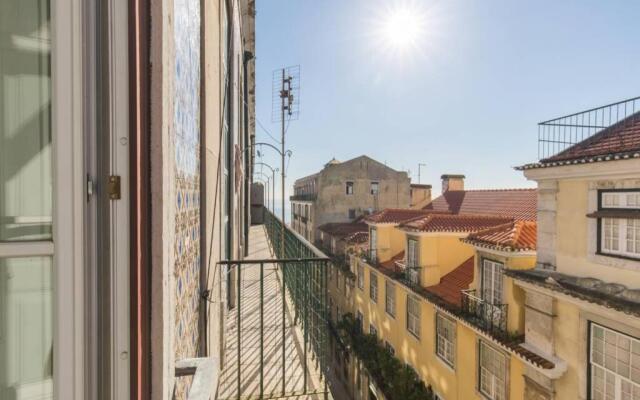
452,182
420,195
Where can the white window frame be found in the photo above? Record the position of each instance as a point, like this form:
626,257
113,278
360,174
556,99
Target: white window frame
70,314
445,347
625,232
413,252
373,243
360,276
492,281
413,320
611,341
373,286
390,298
497,387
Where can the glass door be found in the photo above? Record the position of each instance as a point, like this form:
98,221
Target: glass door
26,193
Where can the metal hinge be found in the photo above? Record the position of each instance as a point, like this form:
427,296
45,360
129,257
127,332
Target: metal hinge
113,187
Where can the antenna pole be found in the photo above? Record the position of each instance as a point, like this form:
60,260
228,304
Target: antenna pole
420,165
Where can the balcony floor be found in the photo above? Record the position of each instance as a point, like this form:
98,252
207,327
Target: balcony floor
273,341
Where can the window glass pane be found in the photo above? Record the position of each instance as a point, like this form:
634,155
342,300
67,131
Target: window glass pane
26,328
25,120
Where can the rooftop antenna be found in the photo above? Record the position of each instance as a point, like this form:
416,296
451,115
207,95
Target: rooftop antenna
285,95
420,165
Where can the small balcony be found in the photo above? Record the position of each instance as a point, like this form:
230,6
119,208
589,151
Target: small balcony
304,197
409,275
484,314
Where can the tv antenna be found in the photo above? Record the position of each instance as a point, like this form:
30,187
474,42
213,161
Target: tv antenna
285,95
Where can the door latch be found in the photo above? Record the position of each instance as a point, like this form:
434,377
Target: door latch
113,187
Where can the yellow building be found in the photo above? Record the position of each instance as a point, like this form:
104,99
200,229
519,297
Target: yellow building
432,289
583,299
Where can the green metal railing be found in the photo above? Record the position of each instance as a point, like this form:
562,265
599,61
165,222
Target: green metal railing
302,273
307,285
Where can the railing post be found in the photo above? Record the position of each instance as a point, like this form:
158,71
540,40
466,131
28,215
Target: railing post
261,330
238,336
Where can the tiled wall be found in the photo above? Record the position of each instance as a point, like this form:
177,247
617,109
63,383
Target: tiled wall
186,135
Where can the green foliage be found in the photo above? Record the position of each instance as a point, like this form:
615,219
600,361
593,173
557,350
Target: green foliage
397,381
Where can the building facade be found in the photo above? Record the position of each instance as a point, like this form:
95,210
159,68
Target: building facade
344,191
584,295
123,181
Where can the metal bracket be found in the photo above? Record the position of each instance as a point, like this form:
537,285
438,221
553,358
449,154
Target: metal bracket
113,187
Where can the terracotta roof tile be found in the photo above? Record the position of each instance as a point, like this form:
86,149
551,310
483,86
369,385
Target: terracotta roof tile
453,223
358,237
343,229
515,203
451,285
390,266
512,236
395,215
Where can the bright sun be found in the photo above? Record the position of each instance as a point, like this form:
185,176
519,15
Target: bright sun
402,28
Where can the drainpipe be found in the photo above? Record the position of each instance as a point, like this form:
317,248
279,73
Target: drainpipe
247,56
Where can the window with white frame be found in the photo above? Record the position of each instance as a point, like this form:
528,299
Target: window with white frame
614,364
412,252
373,243
390,298
492,281
413,315
619,223
492,374
360,276
373,286
445,339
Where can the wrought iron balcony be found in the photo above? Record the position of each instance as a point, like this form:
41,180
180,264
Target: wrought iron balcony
409,275
304,197
558,134
484,314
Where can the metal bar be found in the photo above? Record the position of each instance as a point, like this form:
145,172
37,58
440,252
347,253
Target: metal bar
238,309
261,330
284,338
305,325
272,260
593,109
326,349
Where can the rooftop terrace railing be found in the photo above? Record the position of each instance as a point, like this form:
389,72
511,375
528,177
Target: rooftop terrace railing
558,134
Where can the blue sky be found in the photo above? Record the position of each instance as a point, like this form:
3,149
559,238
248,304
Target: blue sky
466,100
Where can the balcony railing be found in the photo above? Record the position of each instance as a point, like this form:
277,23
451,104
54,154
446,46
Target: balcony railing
304,197
558,134
486,315
409,275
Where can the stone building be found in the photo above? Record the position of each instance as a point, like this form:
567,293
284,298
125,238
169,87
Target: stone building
344,191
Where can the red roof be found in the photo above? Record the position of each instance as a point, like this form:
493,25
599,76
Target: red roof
394,215
622,137
512,236
515,203
358,237
390,265
343,229
451,285
454,223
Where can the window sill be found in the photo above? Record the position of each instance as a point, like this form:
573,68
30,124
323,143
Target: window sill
446,364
